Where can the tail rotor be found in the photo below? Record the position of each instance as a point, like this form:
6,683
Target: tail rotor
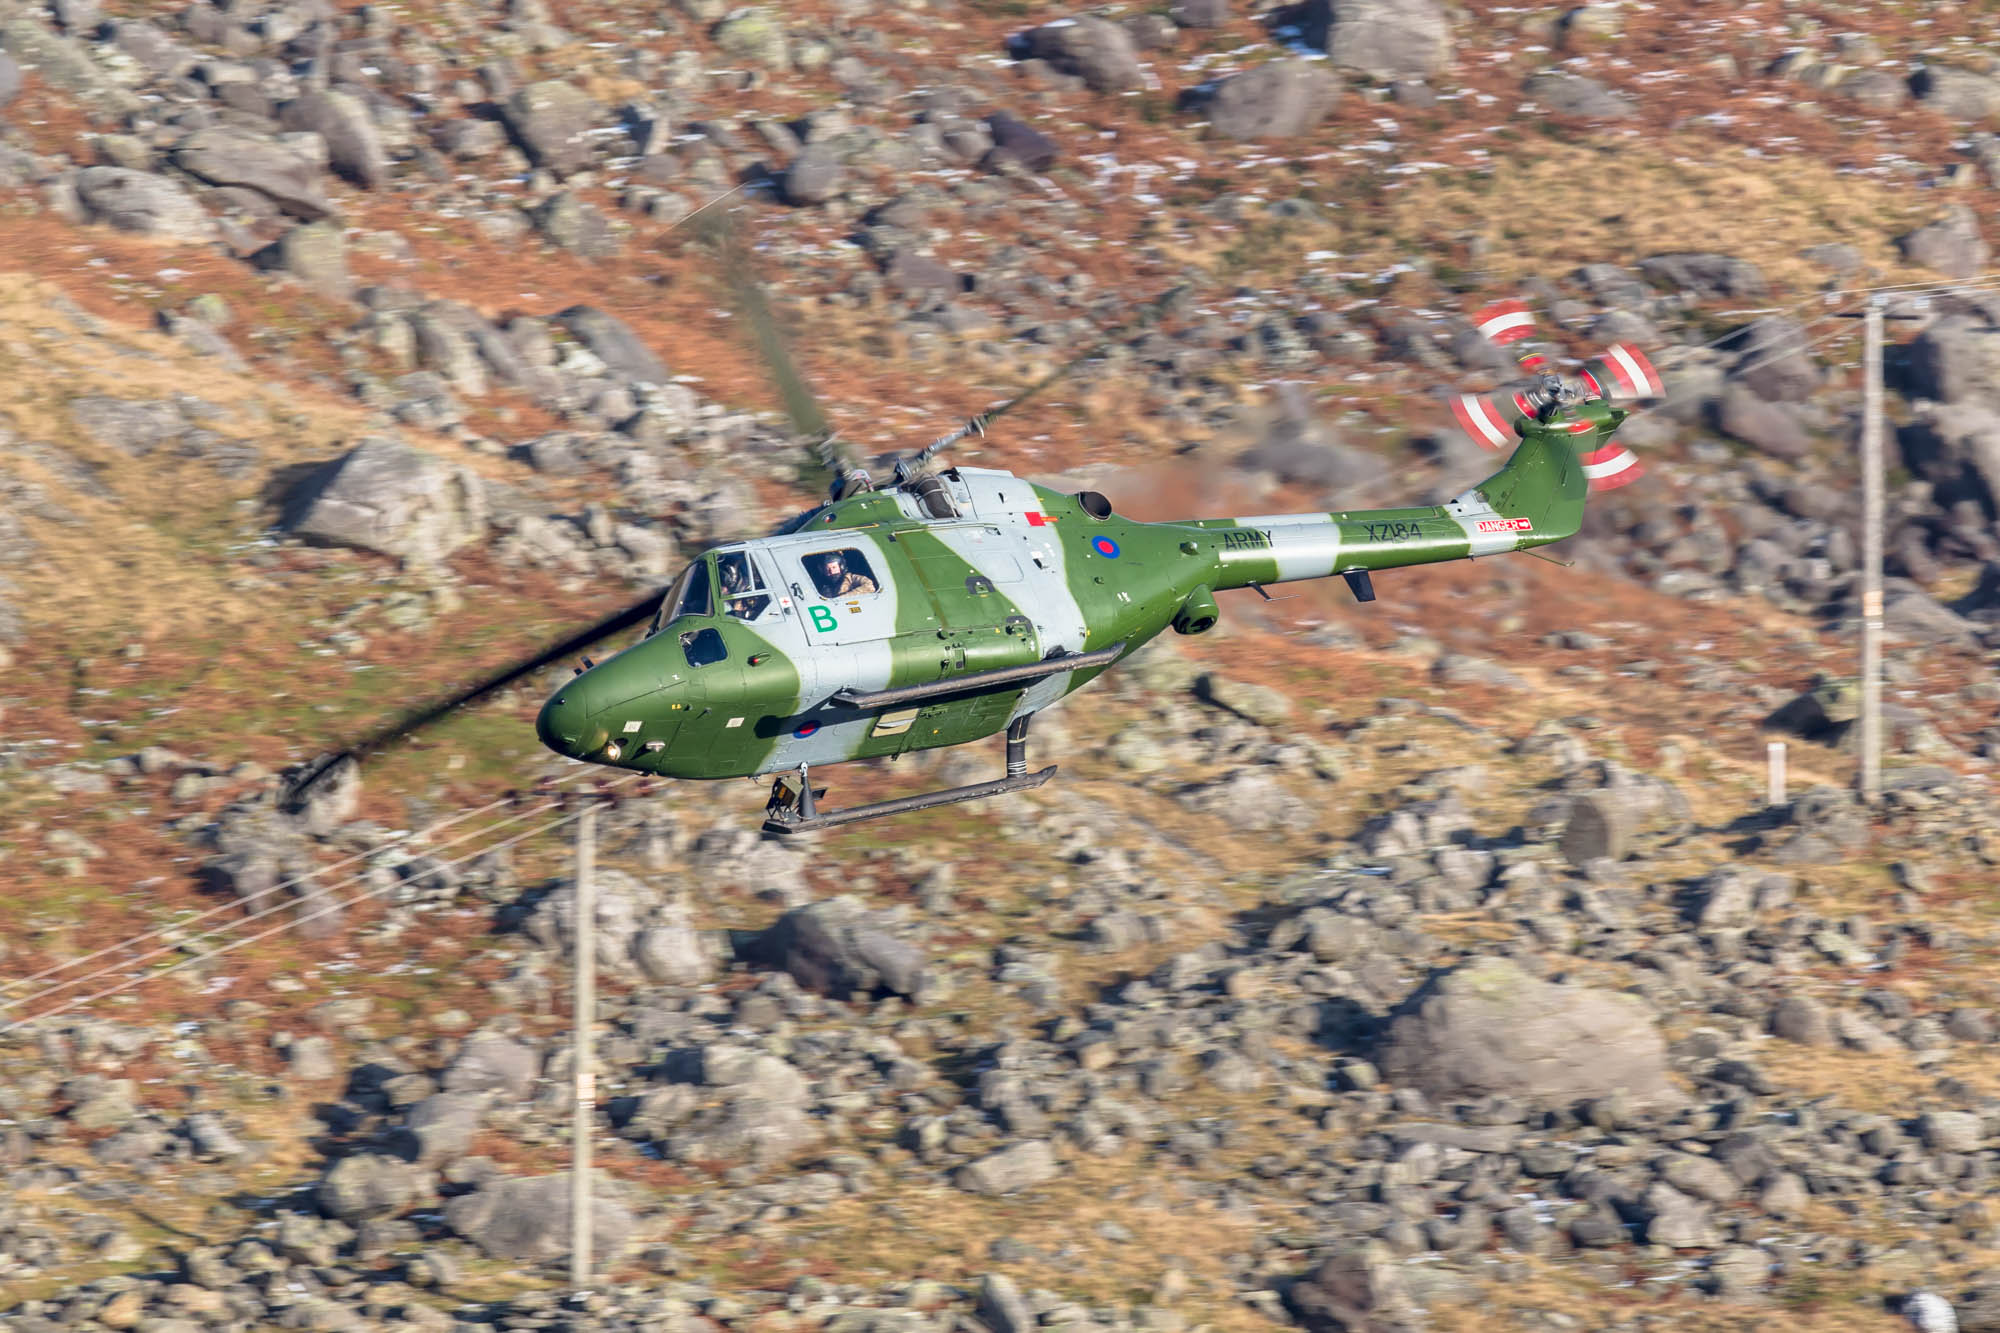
1621,375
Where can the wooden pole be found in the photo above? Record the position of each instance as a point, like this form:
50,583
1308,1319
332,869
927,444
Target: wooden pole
1774,789
1870,780
582,1073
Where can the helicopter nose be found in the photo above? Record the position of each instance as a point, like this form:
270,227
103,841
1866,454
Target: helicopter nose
566,724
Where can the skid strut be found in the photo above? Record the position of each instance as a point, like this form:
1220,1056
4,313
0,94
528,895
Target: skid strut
793,809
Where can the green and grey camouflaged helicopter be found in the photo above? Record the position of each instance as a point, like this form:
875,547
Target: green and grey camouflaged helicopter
952,604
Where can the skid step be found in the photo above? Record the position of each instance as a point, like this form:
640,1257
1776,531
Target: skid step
787,819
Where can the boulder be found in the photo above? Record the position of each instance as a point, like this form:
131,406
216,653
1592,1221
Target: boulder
837,946
135,428
1569,94
387,497
10,80
366,1185
1956,448
1096,50
137,201
315,253
1952,245
1708,275
1023,1166
673,952
622,901
528,1220
1018,143
1486,1028
229,157
1766,427
614,343
441,1127
1384,39
551,121
1958,94
815,175
491,1062
1604,824
353,144
754,34
1274,101
1359,1288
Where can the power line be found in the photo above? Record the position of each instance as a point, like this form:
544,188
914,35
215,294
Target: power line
340,906
175,926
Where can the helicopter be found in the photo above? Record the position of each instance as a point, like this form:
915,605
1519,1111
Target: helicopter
951,604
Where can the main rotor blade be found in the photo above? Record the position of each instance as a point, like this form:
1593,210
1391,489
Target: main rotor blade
1144,316
293,795
750,299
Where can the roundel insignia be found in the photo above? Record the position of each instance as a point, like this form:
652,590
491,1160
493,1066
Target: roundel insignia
1105,547
806,729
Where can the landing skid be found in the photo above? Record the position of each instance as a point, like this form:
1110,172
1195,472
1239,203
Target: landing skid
794,804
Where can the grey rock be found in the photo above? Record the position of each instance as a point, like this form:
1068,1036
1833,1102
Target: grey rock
1952,245
353,144
1569,94
572,223
64,63
1800,1019
385,496
228,157
1095,50
1706,274
1018,143
1738,1270
213,1140
1001,1307
441,1127
529,1220
614,343
1677,1221
311,1059
1359,1288
490,1062
755,34
316,254
1200,13
1773,361
1487,1027
551,121
838,946
1951,1131
1606,824
1273,101
135,428
366,1185
816,175
1767,427
137,201
673,953
10,80
1960,94
1384,39
1023,1166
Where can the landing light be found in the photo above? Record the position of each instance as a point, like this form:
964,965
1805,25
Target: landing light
613,750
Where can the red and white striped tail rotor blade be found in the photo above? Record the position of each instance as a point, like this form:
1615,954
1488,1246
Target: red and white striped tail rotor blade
1489,426
1611,466
1505,322
1623,374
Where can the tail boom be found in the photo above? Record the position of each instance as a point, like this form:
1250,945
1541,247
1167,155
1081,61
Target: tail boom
1536,499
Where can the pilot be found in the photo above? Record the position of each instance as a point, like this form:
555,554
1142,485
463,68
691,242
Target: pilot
836,580
734,578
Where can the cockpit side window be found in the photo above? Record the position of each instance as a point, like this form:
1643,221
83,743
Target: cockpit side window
843,573
703,646
743,594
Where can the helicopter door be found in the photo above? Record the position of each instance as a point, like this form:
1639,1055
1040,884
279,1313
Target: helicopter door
844,590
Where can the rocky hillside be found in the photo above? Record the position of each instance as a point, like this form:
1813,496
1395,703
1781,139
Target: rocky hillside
1435,963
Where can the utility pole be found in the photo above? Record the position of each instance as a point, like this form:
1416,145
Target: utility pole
1871,553
584,1087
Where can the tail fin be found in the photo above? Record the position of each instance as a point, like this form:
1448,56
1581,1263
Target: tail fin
1543,487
